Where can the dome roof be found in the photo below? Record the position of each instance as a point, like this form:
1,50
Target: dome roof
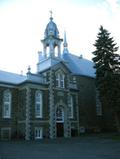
51,29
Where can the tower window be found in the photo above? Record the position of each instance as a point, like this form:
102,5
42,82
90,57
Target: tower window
7,104
38,104
60,80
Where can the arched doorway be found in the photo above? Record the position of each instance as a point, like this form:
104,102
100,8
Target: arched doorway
60,121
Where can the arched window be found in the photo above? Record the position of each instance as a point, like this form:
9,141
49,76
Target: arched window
70,109
38,104
7,104
60,114
60,80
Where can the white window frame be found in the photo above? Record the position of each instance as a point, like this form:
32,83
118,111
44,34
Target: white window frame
38,103
38,133
57,80
71,113
60,80
7,100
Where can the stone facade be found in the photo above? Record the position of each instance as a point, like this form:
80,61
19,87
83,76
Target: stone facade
23,122
57,101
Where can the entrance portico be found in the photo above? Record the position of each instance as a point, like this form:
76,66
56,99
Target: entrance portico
60,121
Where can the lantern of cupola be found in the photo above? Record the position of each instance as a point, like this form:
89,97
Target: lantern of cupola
51,41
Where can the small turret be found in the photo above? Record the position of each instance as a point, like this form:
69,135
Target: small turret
51,29
65,44
51,53
51,40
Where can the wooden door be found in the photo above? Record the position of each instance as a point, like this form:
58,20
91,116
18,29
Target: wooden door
60,129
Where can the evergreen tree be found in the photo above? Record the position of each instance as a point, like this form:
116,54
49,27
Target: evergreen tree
107,65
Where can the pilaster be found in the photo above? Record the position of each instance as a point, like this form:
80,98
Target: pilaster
27,122
67,126
77,111
52,124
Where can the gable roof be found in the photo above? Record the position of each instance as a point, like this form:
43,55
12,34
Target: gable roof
61,66
79,66
76,65
12,78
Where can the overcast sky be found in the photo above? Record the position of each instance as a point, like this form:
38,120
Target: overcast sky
23,22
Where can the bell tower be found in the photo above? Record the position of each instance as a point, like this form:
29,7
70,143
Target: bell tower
51,46
51,41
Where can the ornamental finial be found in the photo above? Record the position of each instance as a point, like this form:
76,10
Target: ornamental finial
51,18
29,69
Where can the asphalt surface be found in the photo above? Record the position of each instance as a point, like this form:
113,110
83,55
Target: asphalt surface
75,148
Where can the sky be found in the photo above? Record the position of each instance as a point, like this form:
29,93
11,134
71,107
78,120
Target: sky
23,22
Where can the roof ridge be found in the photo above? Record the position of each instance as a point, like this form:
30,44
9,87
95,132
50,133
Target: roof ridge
12,73
80,58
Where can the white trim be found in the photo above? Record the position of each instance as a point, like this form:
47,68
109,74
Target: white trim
7,100
33,121
38,133
38,104
60,80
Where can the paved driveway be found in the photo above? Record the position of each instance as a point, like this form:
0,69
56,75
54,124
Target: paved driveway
75,148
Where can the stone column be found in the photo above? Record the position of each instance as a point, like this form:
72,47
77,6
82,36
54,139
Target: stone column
77,110
27,122
51,49
67,125
52,124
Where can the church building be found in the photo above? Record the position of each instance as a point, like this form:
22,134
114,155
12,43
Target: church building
57,101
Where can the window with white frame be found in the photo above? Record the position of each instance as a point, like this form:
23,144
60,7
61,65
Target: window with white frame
38,104
38,132
7,104
57,80
70,108
60,80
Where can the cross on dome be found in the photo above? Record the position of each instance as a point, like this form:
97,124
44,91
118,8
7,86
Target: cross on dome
51,12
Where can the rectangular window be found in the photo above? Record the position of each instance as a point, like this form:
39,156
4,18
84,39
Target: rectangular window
38,133
60,80
38,104
7,104
57,80
6,110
